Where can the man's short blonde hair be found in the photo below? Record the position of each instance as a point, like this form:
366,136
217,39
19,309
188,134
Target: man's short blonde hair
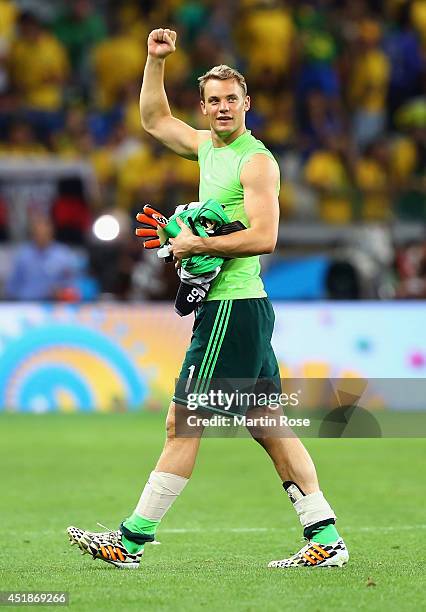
222,73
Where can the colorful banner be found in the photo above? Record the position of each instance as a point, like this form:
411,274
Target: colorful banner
105,358
356,339
119,357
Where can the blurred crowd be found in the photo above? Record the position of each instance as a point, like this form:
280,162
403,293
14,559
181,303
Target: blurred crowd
337,88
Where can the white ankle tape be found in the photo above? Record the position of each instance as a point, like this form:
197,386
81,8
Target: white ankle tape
313,508
159,493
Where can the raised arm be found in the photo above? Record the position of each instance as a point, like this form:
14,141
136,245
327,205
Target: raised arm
259,177
156,116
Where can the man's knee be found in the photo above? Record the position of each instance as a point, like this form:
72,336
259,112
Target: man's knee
176,423
263,441
177,426
272,445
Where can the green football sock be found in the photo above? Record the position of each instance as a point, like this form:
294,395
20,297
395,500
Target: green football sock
325,535
138,524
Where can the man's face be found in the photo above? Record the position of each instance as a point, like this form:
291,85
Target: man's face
42,232
225,105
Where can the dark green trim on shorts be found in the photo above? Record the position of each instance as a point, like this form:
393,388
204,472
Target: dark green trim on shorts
179,400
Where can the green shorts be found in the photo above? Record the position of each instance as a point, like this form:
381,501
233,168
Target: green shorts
231,351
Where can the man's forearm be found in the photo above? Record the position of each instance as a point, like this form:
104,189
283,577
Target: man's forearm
153,102
239,244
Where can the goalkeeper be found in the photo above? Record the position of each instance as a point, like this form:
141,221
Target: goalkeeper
233,327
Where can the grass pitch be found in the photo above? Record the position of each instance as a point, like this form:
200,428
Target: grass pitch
232,519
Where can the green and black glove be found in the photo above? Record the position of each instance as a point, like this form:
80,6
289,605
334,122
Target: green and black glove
197,272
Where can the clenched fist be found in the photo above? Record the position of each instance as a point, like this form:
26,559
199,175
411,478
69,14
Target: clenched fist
161,43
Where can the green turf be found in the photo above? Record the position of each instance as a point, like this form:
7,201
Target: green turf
233,518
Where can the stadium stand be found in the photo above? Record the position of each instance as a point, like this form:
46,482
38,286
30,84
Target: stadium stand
338,94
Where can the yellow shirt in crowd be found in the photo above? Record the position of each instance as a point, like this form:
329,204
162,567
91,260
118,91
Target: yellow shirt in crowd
418,19
324,170
369,82
403,159
117,61
373,182
146,174
39,69
8,14
266,37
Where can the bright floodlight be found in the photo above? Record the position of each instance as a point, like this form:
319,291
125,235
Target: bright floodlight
106,227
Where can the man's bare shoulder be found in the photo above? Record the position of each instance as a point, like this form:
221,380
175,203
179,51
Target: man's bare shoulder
259,166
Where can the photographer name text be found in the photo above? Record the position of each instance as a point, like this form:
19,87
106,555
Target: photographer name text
218,420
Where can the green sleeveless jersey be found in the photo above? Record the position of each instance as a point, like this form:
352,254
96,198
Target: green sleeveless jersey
220,170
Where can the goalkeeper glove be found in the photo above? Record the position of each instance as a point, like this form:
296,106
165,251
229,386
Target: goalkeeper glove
152,220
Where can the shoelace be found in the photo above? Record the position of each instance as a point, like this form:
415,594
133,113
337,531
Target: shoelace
113,535
104,527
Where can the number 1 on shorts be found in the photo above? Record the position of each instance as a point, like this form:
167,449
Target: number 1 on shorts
191,374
